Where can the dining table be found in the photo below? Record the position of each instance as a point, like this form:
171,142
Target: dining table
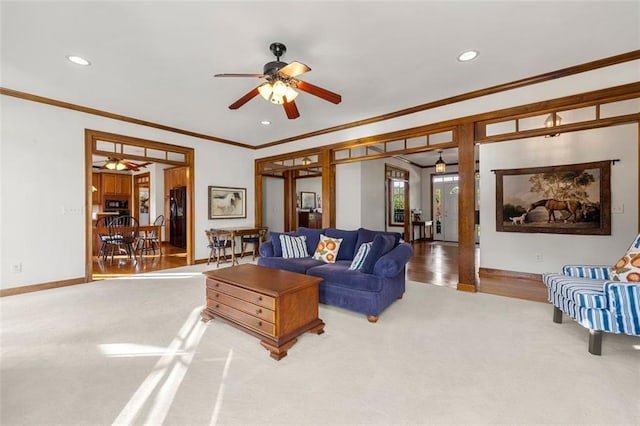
240,231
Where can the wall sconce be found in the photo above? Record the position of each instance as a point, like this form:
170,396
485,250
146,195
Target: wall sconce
552,120
440,165
306,161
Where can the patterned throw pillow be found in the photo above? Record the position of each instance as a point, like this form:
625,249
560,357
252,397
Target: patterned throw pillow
327,249
358,261
293,246
628,267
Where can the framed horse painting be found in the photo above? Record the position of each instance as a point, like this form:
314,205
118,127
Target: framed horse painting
227,203
567,199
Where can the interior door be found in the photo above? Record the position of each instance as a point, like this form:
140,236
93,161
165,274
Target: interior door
450,222
445,207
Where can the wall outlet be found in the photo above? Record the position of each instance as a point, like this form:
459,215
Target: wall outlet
17,268
617,209
539,257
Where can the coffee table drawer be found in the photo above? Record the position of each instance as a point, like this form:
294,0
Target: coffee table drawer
240,293
244,306
244,318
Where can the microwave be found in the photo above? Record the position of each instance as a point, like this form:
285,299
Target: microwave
116,204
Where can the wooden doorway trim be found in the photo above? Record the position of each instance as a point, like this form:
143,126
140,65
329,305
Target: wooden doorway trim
91,137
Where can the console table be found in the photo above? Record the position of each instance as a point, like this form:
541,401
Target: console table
271,304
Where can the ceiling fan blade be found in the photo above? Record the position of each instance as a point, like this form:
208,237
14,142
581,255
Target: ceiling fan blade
319,92
291,110
243,100
130,166
240,75
295,68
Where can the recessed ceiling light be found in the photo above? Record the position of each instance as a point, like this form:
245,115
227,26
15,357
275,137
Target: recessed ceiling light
468,55
78,60
265,122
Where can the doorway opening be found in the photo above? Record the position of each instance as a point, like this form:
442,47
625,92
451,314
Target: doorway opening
142,188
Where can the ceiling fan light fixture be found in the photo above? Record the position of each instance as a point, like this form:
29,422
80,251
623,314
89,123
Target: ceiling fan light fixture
265,90
279,88
290,94
440,165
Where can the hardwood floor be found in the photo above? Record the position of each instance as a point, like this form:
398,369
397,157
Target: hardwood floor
123,266
432,263
436,263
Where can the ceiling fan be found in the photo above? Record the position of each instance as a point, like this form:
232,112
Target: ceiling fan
112,163
281,84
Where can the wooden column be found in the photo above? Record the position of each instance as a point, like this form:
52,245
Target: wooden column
466,209
258,197
328,190
289,201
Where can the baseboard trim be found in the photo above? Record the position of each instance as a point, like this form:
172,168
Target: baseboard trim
469,288
501,273
44,286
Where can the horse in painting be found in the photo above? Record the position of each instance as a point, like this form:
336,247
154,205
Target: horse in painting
570,206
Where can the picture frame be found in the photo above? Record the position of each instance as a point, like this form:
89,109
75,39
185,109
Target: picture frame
307,200
565,199
227,202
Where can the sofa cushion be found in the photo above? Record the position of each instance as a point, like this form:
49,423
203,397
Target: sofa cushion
628,267
313,238
382,244
360,256
275,239
328,248
367,236
338,274
293,246
348,246
300,265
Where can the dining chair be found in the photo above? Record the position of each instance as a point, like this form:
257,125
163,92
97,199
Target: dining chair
104,234
150,241
123,237
219,242
254,240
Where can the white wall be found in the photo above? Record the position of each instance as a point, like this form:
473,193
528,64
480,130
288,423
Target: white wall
348,190
515,251
273,203
43,185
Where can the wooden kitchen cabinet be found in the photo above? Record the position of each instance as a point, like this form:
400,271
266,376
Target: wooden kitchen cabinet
116,184
96,195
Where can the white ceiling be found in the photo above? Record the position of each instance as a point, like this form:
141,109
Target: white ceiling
155,61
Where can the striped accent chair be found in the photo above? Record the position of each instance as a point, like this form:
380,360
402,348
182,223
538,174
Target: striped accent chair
590,296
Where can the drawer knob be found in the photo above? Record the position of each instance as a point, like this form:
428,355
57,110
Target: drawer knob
259,298
259,311
217,285
217,295
260,323
217,305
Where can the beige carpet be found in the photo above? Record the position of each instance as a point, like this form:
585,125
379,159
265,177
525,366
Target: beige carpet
133,351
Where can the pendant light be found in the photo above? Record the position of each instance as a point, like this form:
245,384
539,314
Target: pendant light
440,165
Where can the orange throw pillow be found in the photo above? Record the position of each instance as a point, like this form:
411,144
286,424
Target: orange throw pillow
628,267
327,249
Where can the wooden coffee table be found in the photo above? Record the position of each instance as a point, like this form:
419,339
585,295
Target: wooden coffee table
273,305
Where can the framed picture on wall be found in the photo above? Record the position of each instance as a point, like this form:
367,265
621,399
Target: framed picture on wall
567,199
227,202
308,200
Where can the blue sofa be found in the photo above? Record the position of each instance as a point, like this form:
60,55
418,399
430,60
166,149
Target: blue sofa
367,291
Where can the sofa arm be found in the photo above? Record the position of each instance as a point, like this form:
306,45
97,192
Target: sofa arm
392,263
596,272
624,303
266,249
